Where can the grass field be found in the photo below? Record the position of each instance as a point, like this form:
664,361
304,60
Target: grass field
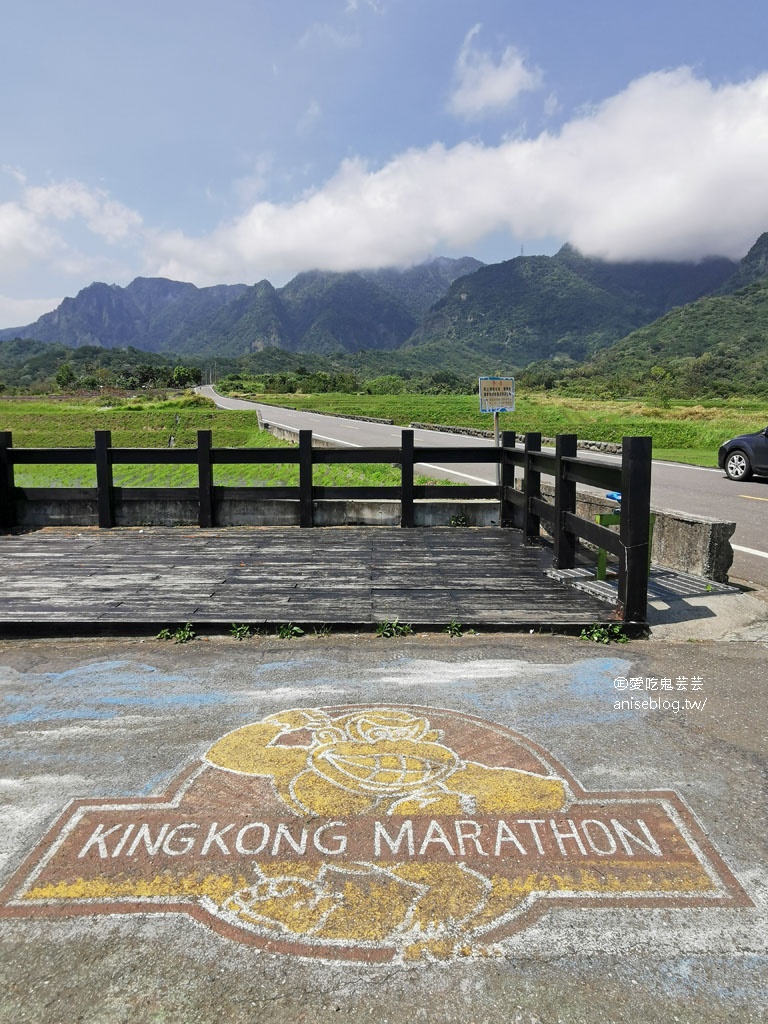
71,424
682,432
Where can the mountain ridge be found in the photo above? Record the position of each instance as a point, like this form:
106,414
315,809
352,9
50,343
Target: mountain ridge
563,309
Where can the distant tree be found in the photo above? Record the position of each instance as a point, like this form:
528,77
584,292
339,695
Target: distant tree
185,377
389,384
65,377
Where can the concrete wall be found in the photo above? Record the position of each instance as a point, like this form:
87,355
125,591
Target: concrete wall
241,512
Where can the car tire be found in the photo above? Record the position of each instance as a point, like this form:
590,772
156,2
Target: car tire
737,466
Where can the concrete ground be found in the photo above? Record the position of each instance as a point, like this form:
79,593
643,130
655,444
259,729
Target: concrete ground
673,928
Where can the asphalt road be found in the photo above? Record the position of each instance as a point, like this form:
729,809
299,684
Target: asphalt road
690,489
137,884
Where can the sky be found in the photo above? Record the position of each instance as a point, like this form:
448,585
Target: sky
240,140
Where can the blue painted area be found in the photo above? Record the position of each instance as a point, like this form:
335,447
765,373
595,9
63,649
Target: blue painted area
191,700
594,678
525,694
41,713
104,690
157,783
686,976
580,692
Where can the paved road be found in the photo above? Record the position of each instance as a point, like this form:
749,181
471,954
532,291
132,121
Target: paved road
219,832
690,489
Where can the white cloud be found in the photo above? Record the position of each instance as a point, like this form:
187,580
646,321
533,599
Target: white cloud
670,167
323,35
485,86
309,118
377,6
19,312
63,201
30,225
23,239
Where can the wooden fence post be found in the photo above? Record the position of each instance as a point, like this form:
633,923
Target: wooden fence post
204,478
105,499
306,513
7,502
531,489
636,454
565,501
406,479
506,508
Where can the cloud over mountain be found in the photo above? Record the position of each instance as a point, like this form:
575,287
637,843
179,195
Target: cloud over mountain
671,167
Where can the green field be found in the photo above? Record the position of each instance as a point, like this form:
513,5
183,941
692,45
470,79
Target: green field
682,431
137,424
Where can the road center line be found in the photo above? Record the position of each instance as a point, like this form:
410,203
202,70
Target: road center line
753,497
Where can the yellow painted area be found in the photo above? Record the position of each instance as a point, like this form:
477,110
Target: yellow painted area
194,884
431,949
450,893
385,759
369,913
288,904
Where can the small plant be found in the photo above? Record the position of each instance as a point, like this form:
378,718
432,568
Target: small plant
393,628
456,629
180,635
323,630
457,520
287,631
240,631
604,634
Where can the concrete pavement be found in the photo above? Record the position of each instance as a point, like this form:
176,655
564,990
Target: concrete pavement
223,830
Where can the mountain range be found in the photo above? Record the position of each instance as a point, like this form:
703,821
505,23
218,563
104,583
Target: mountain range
567,309
319,312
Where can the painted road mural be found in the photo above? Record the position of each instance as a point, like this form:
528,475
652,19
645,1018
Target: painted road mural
372,832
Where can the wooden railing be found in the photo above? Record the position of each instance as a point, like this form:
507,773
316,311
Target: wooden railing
521,507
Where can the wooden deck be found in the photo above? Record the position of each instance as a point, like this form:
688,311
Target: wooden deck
60,579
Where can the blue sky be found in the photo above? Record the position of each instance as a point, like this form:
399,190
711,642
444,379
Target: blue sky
246,139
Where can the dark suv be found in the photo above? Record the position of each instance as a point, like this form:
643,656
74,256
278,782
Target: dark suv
744,455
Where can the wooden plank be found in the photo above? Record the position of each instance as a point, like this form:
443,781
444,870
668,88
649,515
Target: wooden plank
406,486
531,488
7,496
105,499
306,508
343,576
565,502
634,527
204,479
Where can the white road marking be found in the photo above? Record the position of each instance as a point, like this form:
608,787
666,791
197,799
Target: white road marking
455,472
750,551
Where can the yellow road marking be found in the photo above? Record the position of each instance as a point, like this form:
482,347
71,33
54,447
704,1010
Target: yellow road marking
752,497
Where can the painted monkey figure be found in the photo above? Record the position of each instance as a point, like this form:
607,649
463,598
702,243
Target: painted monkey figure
383,759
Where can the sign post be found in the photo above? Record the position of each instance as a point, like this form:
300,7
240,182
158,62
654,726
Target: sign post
497,394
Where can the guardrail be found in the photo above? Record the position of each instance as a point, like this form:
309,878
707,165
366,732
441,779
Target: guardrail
521,507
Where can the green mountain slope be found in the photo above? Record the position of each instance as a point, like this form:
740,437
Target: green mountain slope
717,345
150,313
541,307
